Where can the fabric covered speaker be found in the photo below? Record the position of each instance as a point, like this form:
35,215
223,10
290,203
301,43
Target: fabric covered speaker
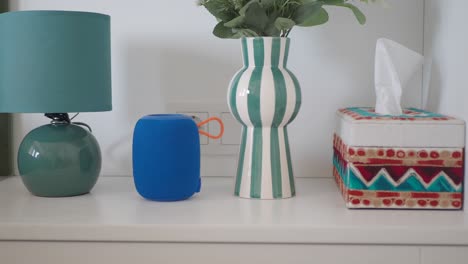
166,157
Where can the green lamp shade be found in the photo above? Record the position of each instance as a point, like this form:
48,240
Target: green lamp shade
55,62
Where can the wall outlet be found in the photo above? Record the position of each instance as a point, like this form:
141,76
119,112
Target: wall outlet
198,116
229,143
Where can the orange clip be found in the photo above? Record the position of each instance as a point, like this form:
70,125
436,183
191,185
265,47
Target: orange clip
221,127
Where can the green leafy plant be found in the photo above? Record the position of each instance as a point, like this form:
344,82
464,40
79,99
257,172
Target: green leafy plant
276,18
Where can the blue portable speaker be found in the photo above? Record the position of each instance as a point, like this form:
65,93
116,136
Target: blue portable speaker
166,157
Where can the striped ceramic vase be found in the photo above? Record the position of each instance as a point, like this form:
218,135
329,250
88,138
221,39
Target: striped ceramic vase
264,96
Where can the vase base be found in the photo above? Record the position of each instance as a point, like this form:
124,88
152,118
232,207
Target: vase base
265,198
264,169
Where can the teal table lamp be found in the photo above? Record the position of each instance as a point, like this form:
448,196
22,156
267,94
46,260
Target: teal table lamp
56,62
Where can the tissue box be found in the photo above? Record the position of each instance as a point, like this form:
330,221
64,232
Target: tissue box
412,161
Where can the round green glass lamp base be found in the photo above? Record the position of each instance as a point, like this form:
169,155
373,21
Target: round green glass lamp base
59,160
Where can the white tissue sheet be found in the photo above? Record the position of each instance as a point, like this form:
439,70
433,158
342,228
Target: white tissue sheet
395,65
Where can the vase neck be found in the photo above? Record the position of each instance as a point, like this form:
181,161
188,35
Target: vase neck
265,52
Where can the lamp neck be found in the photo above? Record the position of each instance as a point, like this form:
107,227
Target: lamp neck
64,119
58,118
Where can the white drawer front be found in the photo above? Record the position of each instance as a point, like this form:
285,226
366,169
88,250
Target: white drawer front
174,253
441,255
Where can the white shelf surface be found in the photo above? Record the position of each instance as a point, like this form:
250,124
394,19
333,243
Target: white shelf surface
113,211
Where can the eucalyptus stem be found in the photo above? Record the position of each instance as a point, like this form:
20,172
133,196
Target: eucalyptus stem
243,18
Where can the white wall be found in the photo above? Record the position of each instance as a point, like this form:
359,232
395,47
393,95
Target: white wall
163,52
446,43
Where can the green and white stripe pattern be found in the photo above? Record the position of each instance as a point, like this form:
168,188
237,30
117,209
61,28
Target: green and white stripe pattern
264,97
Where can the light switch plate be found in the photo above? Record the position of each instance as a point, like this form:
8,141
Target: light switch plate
232,130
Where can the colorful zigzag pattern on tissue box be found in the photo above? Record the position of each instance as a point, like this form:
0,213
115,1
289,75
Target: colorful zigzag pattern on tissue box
415,178
409,114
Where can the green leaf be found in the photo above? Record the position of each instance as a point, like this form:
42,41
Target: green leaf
243,10
267,3
318,18
271,29
272,17
306,11
236,22
256,17
245,32
218,9
333,2
361,18
282,23
222,31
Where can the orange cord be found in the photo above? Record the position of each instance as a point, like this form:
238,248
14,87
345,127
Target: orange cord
204,122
